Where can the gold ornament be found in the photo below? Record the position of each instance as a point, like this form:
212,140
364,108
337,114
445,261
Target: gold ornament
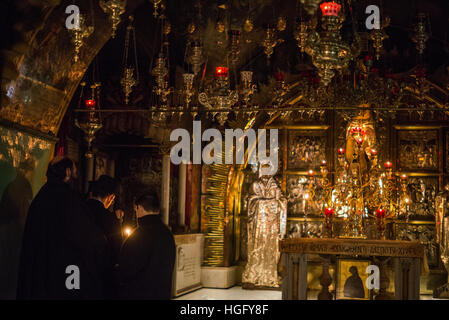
270,41
79,34
220,26
378,36
167,28
248,25
156,7
114,8
282,24
191,28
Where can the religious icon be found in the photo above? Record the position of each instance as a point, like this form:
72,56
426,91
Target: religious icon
423,194
266,225
306,149
418,149
298,198
351,279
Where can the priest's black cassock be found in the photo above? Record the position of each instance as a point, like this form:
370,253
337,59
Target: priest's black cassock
58,234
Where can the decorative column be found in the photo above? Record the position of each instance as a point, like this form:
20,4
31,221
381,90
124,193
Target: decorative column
325,280
165,188
182,194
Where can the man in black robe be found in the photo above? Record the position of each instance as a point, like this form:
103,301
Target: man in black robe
148,256
14,206
63,252
102,197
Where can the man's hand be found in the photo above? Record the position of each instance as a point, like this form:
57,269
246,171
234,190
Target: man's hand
119,214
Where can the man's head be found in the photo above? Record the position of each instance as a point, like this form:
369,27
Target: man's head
26,168
147,204
104,190
61,169
354,270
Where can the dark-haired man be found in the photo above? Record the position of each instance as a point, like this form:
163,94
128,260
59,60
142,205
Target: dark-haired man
103,193
63,252
148,256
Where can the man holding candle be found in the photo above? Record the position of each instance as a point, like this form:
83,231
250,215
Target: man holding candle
147,257
103,194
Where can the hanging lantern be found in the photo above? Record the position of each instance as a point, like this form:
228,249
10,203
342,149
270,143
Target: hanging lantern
114,8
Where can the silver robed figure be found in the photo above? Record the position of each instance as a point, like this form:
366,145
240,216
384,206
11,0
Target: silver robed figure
267,219
442,230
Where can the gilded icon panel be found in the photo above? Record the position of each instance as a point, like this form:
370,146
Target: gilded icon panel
304,194
305,149
418,150
351,279
423,191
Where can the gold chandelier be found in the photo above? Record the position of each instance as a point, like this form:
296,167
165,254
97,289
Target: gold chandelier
328,51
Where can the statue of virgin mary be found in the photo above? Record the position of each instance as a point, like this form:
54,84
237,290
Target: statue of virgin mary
267,218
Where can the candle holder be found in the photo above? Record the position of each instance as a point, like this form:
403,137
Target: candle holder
389,169
341,157
328,222
380,219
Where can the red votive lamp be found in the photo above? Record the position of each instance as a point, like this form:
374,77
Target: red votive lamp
388,165
380,213
330,8
221,72
90,104
323,163
311,173
359,141
403,177
328,212
373,152
341,151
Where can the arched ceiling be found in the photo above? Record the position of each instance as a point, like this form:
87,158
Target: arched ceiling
39,76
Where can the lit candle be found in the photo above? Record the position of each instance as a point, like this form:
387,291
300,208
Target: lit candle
380,213
90,104
221,72
328,211
388,165
310,173
128,232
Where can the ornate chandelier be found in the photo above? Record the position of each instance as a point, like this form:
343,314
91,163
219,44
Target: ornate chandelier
219,95
90,122
128,81
329,53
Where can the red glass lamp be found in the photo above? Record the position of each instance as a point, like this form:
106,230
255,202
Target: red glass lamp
221,72
90,103
330,8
